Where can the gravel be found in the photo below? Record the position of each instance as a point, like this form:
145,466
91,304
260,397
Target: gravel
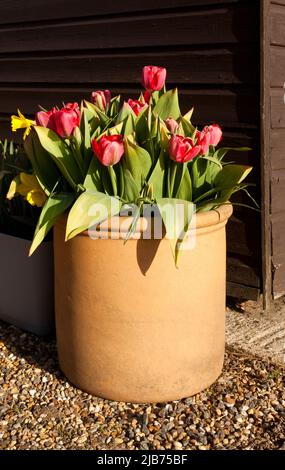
40,409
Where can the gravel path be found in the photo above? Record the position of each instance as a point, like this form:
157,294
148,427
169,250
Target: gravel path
39,409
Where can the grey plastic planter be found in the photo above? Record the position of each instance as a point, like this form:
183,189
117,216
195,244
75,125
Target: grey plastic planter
27,294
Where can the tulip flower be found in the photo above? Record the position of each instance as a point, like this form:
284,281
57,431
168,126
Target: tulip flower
147,96
101,98
210,135
137,106
62,121
171,125
109,149
153,78
183,149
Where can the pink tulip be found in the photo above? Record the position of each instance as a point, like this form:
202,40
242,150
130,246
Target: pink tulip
210,135
171,125
183,149
216,134
109,149
153,78
137,106
62,121
101,98
203,139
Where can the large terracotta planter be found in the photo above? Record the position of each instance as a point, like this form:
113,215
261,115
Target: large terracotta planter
27,294
131,326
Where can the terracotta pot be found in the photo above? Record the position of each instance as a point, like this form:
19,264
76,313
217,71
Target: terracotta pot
27,294
131,326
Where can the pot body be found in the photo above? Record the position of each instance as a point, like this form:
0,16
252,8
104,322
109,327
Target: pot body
27,291
130,325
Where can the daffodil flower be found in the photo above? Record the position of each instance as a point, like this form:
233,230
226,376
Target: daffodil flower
27,186
20,122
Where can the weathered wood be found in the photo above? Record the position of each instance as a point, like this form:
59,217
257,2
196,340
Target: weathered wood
265,152
216,26
277,149
278,230
243,234
277,106
37,10
209,66
243,271
242,291
276,33
226,107
277,66
278,192
278,265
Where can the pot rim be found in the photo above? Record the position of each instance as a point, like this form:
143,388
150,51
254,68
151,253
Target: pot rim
201,222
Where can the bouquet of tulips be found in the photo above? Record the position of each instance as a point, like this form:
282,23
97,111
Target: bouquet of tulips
124,156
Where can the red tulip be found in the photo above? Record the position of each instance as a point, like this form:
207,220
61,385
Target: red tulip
210,135
109,149
153,78
183,149
203,139
147,96
171,125
101,98
62,121
137,106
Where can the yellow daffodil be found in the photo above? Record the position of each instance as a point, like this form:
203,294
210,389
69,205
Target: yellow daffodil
20,122
27,186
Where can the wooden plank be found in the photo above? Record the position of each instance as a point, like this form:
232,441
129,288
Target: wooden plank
278,266
244,271
265,151
277,108
217,25
36,10
209,66
278,230
242,292
226,107
243,231
278,192
277,24
277,66
277,149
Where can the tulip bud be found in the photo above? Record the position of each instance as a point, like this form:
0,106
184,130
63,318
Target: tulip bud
153,78
109,149
183,149
62,121
171,125
101,98
137,106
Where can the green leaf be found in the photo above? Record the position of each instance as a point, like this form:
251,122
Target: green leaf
221,152
61,155
185,188
176,215
157,176
93,179
138,161
230,176
168,105
134,223
90,208
45,170
188,129
131,190
54,206
213,160
129,125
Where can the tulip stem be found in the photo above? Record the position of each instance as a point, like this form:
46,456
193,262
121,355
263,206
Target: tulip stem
113,180
172,178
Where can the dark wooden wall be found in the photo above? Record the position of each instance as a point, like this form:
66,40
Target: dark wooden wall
53,51
277,142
